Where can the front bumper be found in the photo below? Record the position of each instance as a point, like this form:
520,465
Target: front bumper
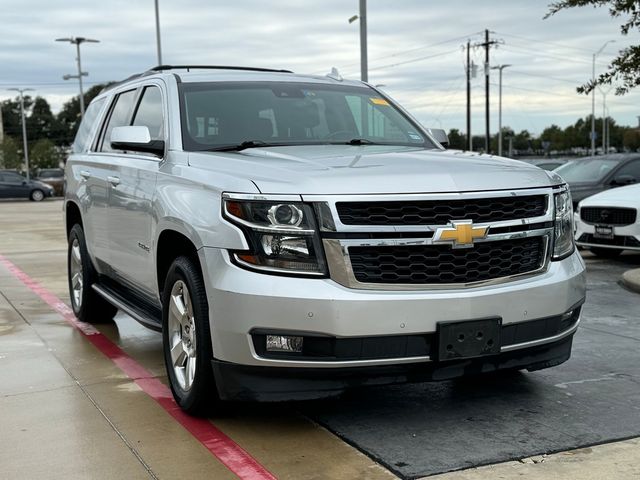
251,383
241,302
626,237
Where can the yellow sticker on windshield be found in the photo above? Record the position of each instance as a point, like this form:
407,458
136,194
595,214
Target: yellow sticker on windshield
379,101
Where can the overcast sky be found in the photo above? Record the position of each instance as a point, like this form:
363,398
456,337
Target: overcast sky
414,49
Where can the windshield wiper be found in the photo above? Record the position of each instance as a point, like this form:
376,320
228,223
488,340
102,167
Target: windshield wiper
360,141
241,146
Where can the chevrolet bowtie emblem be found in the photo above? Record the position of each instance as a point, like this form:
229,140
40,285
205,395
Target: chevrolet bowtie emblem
460,234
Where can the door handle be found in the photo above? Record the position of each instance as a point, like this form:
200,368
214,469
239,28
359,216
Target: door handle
85,174
115,181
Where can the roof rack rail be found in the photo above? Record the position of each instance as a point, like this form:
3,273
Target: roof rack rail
161,68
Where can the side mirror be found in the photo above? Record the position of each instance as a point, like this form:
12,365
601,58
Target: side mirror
621,180
440,135
135,139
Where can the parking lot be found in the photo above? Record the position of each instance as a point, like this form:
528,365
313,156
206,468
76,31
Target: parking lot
84,403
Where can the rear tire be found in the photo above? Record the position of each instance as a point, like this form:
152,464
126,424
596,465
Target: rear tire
87,305
605,252
186,338
36,196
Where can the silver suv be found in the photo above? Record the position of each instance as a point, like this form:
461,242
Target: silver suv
294,235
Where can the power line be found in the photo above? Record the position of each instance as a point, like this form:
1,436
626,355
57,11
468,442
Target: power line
531,40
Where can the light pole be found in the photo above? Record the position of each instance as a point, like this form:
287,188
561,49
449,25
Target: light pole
605,118
593,98
364,68
24,125
500,68
159,46
77,41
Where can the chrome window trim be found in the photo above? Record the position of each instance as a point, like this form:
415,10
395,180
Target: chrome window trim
341,270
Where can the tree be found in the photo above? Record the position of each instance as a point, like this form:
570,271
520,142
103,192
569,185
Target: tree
631,139
625,68
41,123
43,154
11,115
10,157
457,140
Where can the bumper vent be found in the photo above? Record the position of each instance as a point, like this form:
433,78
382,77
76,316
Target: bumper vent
431,264
441,212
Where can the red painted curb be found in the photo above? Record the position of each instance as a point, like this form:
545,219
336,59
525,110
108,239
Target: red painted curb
232,455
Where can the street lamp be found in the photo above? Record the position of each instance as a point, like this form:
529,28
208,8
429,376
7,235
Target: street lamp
77,41
605,118
500,68
593,97
24,125
364,75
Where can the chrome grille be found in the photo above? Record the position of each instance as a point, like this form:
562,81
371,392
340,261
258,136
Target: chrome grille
440,212
440,264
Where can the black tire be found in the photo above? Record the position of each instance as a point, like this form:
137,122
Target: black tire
200,396
88,306
605,252
36,195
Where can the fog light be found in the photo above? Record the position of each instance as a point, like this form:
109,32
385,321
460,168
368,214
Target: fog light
284,343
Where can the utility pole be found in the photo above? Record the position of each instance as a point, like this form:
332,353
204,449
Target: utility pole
500,68
487,44
469,135
159,46
24,125
77,41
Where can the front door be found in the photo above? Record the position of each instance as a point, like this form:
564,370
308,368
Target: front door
131,211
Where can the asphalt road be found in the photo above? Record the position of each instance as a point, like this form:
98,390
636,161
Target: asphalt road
424,429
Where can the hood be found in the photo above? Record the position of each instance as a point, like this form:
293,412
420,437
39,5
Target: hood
615,197
344,169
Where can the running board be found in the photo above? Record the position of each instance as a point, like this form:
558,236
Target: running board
138,313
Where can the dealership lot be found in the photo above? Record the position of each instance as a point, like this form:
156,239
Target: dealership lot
89,418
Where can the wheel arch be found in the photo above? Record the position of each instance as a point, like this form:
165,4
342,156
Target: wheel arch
72,216
170,245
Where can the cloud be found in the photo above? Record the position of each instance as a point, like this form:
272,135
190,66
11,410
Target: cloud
414,49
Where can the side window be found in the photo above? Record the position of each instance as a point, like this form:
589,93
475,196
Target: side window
632,169
14,178
150,113
120,114
82,141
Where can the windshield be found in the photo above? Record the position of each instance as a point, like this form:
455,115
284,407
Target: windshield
215,115
590,170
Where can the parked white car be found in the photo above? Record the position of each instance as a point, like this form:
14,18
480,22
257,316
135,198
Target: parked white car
607,223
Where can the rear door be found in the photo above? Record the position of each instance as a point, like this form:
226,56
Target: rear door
93,171
131,202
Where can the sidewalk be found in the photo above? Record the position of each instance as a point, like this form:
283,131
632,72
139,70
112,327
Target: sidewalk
608,461
631,279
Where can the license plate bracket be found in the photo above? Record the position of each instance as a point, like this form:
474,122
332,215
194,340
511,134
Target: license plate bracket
604,231
469,338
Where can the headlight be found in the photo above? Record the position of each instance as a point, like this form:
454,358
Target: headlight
563,245
282,236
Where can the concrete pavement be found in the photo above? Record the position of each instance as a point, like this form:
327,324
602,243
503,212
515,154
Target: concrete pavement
67,411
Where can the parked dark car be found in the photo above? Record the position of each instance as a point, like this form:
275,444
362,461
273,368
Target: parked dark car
53,177
14,185
592,175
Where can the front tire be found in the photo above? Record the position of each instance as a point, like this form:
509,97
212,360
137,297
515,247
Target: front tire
605,252
87,305
186,337
36,196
